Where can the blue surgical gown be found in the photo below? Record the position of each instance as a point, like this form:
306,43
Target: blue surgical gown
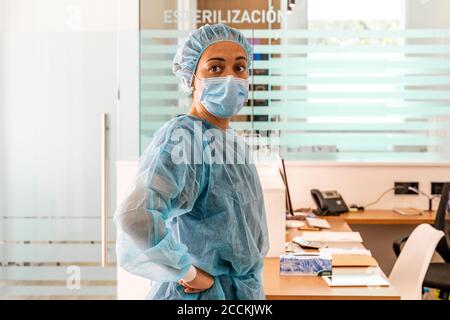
195,200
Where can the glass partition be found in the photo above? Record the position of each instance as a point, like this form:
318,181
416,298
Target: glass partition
361,81
58,113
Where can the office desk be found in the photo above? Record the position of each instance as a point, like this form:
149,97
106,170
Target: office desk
384,217
278,287
393,226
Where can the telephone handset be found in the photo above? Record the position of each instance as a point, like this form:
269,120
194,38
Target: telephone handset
328,202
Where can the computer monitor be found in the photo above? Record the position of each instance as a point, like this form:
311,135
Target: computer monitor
282,169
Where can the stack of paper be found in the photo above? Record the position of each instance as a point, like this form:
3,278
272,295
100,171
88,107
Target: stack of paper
294,224
353,260
355,280
317,222
357,251
332,236
292,247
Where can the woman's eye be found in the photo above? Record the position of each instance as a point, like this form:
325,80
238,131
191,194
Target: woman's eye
240,68
215,69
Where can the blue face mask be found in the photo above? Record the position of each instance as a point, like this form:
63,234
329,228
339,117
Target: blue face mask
224,97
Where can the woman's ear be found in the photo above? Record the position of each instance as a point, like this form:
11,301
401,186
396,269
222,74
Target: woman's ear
193,84
194,79
193,90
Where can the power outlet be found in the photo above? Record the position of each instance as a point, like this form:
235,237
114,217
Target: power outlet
436,188
402,187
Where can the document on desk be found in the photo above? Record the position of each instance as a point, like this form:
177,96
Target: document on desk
356,280
346,251
317,222
332,236
353,260
294,224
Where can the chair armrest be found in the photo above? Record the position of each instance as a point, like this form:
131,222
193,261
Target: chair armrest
397,245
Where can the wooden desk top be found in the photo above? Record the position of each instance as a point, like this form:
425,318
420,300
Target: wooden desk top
279,287
383,217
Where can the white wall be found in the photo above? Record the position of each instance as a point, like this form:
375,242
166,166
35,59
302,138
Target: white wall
128,76
363,183
427,13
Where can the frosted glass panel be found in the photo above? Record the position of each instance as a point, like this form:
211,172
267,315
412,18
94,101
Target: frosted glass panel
59,83
369,95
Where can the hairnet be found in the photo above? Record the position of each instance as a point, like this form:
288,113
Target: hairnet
188,55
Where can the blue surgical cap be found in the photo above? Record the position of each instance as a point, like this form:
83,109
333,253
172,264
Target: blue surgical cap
188,55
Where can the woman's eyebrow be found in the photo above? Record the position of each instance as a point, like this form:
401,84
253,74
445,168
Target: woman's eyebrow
216,58
222,59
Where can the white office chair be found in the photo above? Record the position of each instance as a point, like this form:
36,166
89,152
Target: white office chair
412,264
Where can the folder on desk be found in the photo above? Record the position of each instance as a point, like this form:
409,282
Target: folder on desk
353,260
356,280
332,236
348,250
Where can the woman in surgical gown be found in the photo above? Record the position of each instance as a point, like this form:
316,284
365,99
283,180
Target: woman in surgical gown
193,220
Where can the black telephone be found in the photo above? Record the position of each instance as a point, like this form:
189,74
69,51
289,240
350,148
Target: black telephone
328,203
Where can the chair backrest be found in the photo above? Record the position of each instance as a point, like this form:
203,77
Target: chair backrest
439,222
411,266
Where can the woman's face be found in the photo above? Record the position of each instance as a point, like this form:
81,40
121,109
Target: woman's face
220,59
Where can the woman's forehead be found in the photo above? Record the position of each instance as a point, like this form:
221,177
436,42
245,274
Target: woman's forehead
224,49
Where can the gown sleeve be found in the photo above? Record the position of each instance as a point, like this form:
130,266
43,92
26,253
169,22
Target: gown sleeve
162,189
